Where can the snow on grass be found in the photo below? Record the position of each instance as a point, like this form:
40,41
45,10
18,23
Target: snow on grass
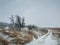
44,40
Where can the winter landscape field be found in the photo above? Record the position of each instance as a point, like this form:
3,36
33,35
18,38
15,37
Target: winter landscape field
29,37
29,22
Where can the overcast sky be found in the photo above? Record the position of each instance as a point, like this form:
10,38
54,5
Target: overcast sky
43,13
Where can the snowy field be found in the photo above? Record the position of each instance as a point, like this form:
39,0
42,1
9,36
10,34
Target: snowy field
46,40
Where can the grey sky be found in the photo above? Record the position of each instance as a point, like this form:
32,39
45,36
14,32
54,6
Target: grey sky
43,13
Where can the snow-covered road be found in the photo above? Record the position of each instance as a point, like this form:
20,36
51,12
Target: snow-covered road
47,39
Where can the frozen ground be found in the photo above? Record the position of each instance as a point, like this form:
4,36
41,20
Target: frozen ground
46,40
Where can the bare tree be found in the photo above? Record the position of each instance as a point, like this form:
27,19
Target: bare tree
23,23
12,21
18,22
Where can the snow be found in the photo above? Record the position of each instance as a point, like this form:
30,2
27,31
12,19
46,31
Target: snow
6,27
5,36
47,39
1,35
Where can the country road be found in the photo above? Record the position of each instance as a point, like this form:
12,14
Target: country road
47,39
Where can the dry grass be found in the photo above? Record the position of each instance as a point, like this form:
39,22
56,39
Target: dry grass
18,37
4,41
